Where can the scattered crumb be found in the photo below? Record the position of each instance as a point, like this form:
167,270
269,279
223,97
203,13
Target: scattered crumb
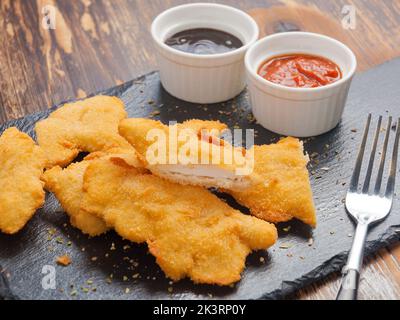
310,242
127,290
262,260
170,289
125,278
154,113
93,258
64,260
287,229
112,246
136,275
285,246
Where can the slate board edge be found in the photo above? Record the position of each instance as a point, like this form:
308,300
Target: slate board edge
5,291
335,264
330,266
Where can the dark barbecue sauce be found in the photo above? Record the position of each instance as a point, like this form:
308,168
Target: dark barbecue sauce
204,41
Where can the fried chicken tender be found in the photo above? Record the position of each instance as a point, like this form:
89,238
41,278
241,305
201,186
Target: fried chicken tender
67,185
284,191
198,157
198,125
278,188
84,126
21,192
190,231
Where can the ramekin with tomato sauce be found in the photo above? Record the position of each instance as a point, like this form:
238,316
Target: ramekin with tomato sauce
299,82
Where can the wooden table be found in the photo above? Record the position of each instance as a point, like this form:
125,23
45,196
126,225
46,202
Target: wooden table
99,43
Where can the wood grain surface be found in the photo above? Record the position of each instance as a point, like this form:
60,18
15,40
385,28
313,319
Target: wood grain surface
98,43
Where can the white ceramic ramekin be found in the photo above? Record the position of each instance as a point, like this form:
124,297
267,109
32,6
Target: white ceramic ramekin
300,112
203,78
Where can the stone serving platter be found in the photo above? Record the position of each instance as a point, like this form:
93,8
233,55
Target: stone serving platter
108,267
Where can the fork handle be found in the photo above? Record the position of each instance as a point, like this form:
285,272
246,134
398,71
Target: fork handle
349,287
351,272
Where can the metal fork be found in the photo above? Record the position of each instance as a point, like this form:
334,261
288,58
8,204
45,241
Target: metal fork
367,206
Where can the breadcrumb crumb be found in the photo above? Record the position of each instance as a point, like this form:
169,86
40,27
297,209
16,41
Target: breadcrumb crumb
64,260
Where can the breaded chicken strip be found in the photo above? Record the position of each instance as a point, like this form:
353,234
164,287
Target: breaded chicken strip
190,231
84,126
284,191
67,185
278,188
21,191
195,159
198,125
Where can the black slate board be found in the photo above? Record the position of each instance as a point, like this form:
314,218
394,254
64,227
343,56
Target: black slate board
24,255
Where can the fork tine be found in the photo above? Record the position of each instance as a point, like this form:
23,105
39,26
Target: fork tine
356,173
383,158
372,157
393,165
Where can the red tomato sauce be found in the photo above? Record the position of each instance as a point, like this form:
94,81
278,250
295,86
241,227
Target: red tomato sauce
300,71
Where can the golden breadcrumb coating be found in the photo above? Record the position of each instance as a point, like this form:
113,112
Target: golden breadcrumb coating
21,165
199,125
67,185
279,184
284,191
84,126
190,231
205,151
135,130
